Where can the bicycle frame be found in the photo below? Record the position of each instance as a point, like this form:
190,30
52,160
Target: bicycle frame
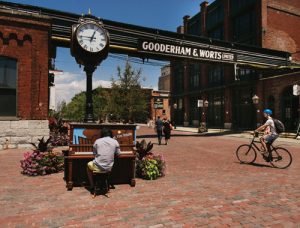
254,143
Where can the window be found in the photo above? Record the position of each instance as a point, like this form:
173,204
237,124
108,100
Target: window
215,75
245,74
215,16
245,28
217,33
194,25
8,87
178,76
194,75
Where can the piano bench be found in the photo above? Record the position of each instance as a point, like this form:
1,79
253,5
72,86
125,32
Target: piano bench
101,181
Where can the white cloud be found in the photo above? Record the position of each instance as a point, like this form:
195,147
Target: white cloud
68,84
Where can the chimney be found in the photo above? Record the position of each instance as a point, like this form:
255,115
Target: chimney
186,19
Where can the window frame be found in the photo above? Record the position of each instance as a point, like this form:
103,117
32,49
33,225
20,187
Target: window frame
11,116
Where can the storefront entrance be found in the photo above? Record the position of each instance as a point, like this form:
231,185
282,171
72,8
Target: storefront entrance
290,109
244,112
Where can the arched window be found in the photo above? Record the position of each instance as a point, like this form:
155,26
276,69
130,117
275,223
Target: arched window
8,86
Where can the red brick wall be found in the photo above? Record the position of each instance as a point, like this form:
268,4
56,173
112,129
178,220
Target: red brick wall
275,87
26,40
283,23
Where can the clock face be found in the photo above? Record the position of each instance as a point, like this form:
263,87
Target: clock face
91,37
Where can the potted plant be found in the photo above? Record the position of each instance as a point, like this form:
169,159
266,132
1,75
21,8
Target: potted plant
42,160
149,165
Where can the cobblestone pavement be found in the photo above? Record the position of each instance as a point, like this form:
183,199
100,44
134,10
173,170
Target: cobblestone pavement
205,186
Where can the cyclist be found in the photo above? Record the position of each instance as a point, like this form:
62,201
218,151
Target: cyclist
270,134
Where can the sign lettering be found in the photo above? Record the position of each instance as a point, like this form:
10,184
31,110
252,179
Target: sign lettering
184,51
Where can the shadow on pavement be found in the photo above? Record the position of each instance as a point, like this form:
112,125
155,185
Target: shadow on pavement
206,134
257,165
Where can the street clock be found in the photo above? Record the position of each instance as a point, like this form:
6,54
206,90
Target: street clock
89,41
89,46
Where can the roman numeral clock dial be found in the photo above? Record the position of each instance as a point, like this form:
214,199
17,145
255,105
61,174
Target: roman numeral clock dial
91,37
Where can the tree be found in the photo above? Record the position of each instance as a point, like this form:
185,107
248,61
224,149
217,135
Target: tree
99,103
127,100
75,110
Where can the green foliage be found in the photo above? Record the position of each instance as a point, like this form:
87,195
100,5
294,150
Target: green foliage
99,103
75,110
128,100
125,101
149,166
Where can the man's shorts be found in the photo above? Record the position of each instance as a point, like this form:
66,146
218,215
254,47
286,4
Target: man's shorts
93,167
270,138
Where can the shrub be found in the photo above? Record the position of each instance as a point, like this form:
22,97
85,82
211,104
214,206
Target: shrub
149,166
42,160
59,139
58,132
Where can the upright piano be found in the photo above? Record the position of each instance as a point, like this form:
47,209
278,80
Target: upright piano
80,152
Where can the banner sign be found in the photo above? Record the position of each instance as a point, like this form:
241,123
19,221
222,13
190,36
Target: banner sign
156,47
158,103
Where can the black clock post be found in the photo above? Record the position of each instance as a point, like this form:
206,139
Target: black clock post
89,46
89,110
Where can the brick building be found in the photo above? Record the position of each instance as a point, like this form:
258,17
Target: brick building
229,89
24,102
160,104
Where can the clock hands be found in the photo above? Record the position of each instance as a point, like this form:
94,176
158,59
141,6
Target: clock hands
89,37
92,37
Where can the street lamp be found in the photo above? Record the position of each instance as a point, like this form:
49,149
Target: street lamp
202,126
255,99
206,103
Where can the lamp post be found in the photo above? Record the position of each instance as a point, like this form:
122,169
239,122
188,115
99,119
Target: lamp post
205,105
255,100
175,115
202,126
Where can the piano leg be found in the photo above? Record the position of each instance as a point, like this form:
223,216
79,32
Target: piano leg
70,176
69,185
132,182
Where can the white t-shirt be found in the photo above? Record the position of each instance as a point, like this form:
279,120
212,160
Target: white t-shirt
271,124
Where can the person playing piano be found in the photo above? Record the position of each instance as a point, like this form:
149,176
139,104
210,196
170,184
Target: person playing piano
105,149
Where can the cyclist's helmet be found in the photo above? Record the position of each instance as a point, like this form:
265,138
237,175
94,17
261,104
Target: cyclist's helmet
268,111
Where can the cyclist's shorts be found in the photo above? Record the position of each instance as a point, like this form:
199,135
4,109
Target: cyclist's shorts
270,138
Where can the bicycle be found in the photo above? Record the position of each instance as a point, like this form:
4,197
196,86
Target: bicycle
247,153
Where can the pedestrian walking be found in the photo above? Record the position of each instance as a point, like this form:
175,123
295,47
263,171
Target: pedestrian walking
159,129
167,127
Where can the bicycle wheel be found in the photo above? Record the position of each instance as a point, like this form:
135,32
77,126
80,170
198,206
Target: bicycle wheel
246,154
281,158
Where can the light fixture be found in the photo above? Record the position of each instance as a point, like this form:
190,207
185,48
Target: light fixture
206,103
255,99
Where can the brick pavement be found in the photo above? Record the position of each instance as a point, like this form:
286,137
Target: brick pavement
205,186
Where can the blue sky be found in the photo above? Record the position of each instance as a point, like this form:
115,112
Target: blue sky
160,14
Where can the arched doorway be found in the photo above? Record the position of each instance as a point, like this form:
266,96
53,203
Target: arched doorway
290,109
